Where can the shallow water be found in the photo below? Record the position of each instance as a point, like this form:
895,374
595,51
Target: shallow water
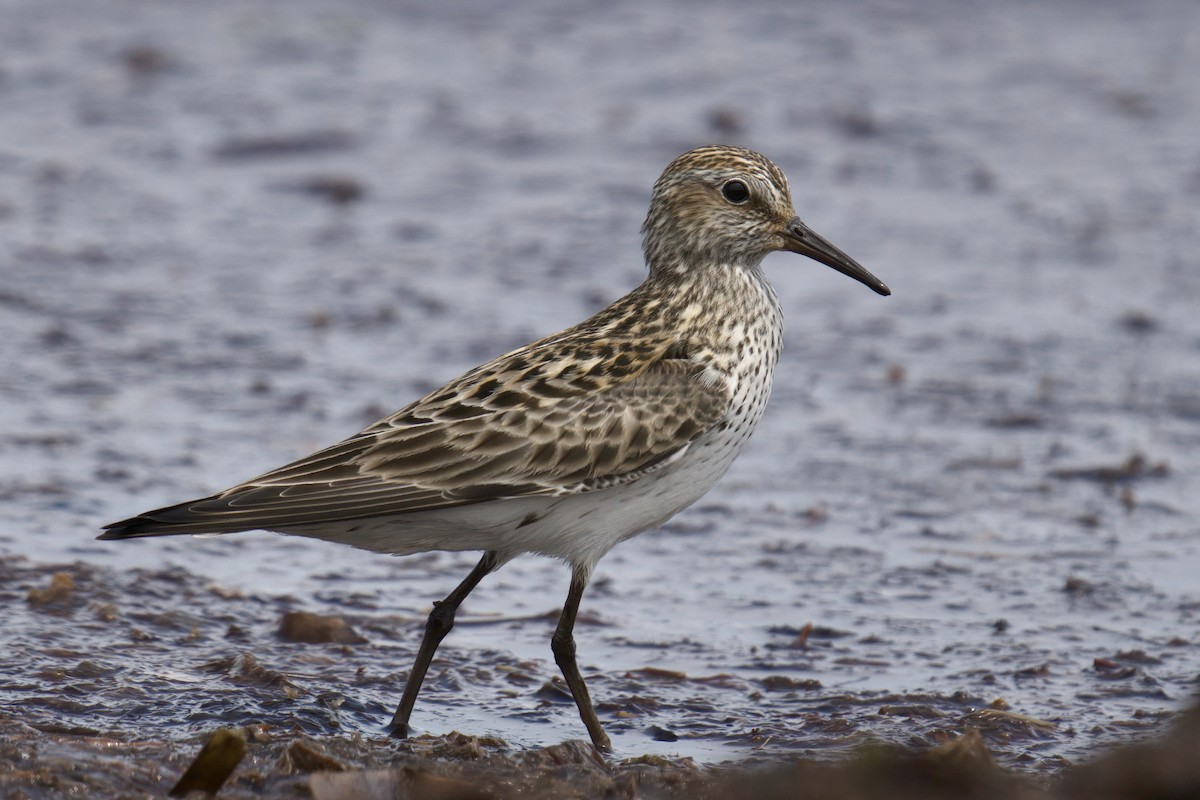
231,235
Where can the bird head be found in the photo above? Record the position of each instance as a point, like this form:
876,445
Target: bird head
723,206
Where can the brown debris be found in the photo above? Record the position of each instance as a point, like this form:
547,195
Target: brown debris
307,628
244,669
145,60
1134,468
967,751
217,760
60,590
304,757
338,190
657,674
302,143
784,683
574,751
802,638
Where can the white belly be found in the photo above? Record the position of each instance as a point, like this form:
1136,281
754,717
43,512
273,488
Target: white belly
578,528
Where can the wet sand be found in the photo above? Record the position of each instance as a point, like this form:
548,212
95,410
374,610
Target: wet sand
230,234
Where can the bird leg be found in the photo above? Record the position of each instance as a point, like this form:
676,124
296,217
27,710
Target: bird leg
563,645
441,620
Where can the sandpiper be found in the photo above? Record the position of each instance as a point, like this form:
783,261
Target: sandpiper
576,442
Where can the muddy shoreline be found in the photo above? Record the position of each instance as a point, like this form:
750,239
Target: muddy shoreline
291,686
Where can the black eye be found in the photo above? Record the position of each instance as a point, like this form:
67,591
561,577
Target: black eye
735,192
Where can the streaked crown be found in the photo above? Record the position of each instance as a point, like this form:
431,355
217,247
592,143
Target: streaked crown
716,205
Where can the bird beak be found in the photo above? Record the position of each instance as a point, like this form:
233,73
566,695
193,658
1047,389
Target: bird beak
799,238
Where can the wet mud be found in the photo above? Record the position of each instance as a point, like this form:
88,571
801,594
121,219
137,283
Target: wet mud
94,720
230,234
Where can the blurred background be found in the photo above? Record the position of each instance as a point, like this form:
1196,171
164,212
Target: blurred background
231,233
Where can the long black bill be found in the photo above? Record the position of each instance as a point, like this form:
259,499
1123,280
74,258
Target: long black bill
803,240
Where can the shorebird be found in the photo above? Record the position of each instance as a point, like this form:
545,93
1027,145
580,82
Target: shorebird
572,444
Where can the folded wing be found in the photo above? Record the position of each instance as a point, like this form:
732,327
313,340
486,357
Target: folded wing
552,428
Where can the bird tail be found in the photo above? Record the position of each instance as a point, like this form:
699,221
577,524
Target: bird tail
167,521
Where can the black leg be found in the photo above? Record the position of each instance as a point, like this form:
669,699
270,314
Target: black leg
563,645
441,620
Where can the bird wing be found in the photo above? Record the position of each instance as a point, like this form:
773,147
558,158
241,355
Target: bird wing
507,429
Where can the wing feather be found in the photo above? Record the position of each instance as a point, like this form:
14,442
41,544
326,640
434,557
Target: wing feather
549,428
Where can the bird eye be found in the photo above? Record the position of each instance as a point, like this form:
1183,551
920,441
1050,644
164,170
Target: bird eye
735,192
